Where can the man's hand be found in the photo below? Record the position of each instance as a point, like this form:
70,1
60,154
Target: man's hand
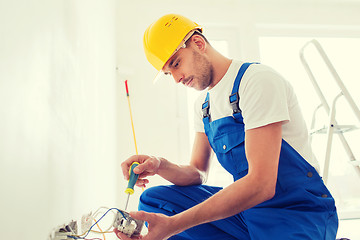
160,226
148,166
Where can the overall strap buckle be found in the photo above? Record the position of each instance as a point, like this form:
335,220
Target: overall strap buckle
206,109
234,102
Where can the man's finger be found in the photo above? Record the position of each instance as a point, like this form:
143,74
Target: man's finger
122,236
146,166
125,166
141,182
141,215
141,167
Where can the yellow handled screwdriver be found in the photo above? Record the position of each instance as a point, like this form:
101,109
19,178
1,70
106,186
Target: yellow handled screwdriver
131,183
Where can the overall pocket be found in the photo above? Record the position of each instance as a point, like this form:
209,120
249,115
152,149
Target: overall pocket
230,151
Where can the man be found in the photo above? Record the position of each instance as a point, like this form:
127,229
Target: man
250,118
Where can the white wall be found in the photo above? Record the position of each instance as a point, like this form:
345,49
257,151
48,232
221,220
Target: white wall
58,126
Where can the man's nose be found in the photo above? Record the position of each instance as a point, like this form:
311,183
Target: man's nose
177,77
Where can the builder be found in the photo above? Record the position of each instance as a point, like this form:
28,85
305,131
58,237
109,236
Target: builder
249,116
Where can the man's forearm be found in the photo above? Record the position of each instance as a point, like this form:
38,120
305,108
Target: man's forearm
182,175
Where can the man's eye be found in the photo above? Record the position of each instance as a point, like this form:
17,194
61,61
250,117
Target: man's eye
176,64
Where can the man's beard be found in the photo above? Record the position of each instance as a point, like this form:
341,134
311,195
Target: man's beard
204,71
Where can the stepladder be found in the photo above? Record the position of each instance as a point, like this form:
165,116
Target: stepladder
332,126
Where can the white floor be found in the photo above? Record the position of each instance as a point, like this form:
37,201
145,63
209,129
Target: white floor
349,229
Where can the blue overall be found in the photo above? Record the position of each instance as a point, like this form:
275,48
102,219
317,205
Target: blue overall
302,207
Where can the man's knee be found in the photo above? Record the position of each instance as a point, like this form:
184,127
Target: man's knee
153,197
154,193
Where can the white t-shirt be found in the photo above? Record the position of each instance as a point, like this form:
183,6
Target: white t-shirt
265,98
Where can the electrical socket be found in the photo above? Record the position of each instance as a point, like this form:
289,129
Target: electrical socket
62,232
128,225
86,222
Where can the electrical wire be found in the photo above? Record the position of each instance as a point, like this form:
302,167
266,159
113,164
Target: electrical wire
86,233
97,224
94,231
95,216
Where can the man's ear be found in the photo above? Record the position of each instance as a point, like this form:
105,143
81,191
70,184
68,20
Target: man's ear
199,42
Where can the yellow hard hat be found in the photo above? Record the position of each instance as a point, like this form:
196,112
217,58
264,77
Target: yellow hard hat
162,37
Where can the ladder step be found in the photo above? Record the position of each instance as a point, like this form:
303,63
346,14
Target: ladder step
337,129
355,163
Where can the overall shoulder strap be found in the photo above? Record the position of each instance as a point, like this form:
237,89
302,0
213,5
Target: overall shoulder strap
234,96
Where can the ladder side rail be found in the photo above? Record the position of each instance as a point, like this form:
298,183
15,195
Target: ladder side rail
313,121
337,78
344,92
346,146
323,99
313,80
330,134
331,127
